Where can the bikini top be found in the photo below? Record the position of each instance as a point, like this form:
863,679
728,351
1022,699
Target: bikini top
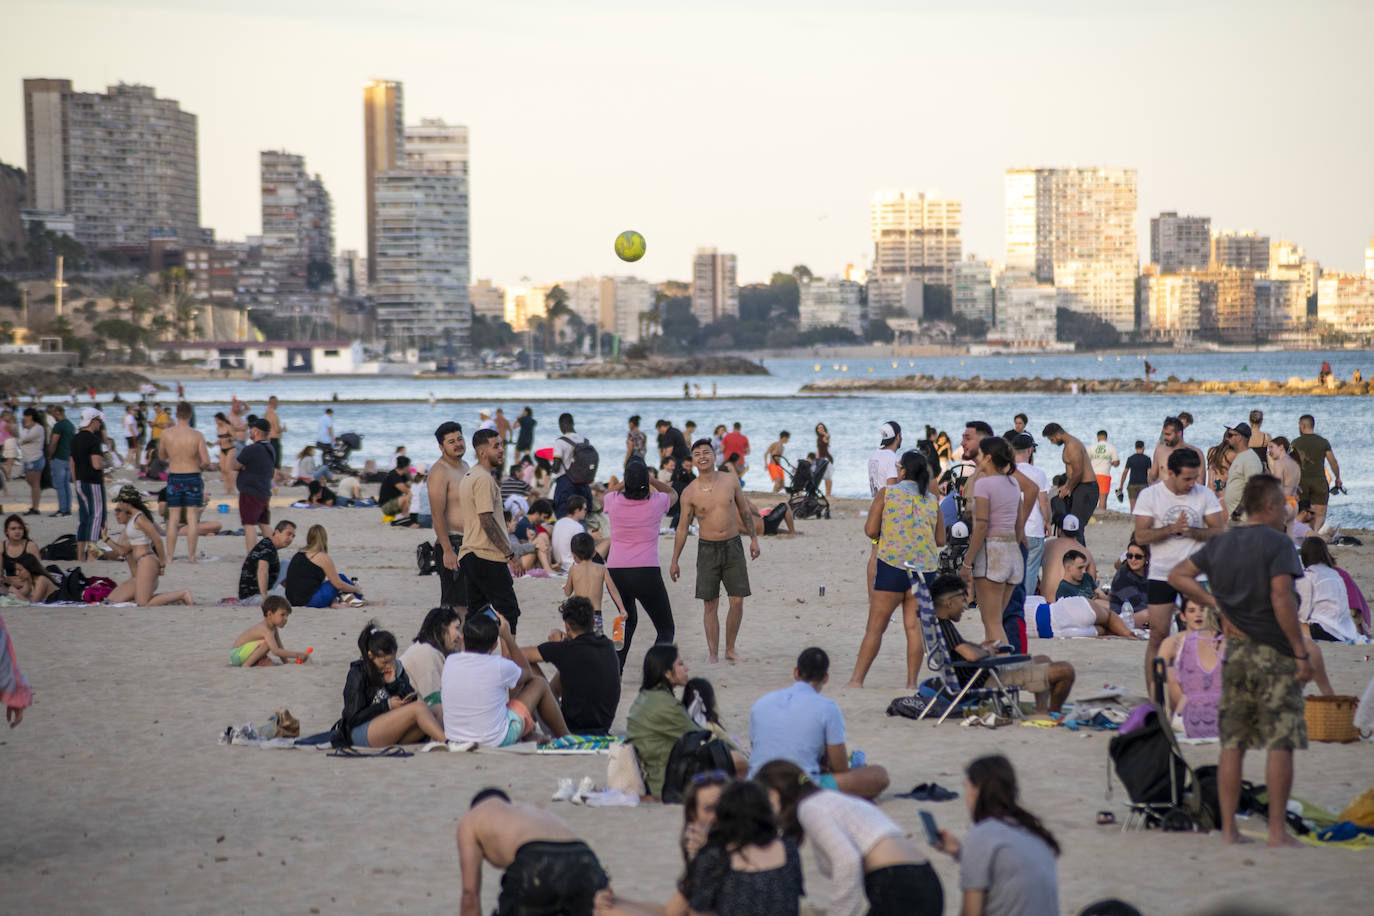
134,534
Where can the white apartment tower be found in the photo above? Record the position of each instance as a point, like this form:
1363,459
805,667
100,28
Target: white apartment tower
830,303
488,301
915,234
1180,242
436,146
974,287
1077,226
715,291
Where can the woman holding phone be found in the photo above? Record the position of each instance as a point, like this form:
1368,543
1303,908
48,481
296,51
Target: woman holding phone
380,705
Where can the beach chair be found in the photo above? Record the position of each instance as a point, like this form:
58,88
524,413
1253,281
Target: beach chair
984,681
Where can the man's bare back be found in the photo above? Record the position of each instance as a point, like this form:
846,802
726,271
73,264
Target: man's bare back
183,448
500,829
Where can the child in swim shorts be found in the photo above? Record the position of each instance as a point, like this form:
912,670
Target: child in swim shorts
254,645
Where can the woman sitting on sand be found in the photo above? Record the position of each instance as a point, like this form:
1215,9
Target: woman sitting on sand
745,867
1323,602
866,856
312,579
906,522
17,543
1130,584
380,705
30,581
142,546
439,637
306,469
1194,657
1008,857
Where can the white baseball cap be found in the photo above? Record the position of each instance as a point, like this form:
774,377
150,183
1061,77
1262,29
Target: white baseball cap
889,431
1070,523
89,415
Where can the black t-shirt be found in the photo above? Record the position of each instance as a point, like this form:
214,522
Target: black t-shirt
953,639
84,445
674,440
259,465
1139,466
1240,564
303,579
590,673
524,439
390,490
248,576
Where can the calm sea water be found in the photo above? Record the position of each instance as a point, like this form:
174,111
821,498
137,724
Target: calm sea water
766,405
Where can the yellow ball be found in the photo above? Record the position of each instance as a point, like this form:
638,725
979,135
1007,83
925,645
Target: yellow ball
629,245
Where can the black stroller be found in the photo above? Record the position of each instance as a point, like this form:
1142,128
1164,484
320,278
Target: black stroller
335,457
1165,792
804,494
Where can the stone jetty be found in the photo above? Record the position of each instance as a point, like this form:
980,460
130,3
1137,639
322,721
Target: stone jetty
1295,386
656,367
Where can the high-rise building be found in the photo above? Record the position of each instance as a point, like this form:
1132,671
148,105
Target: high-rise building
895,296
916,235
384,142
1346,302
122,164
1171,303
1026,315
715,292
830,303
297,234
1180,242
1247,251
1076,227
974,286
1369,259
436,146
1280,305
487,300
623,301
421,269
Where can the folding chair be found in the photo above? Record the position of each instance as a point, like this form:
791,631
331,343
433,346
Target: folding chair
984,680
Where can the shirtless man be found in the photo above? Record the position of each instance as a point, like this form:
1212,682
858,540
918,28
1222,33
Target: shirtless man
1171,438
275,428
548,869
183,448
1080,489
442,484
238,423
772,459
717,502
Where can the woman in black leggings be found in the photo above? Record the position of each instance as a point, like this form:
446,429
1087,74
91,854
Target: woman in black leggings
636,508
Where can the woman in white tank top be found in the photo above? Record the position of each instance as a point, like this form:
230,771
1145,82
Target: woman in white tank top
144,550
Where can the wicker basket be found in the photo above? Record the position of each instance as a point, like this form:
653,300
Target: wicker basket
1332,718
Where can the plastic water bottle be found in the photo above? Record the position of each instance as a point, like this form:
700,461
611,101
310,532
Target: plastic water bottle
1128,615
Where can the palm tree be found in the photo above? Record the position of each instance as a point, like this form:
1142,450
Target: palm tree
555,307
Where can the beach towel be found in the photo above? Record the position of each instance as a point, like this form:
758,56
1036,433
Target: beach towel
1356,597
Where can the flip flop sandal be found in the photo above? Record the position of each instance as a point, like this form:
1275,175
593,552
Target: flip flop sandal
1105,817
346,752
929,791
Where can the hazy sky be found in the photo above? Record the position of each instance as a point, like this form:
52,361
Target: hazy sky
763,127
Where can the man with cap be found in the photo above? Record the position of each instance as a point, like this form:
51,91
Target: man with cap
88,469
882,461
484,420
1245,465
256,466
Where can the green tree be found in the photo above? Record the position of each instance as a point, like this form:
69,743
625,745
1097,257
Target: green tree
878,331
802,272
555,308
830,334
788,292
1087,331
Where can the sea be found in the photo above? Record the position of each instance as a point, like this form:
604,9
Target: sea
390,412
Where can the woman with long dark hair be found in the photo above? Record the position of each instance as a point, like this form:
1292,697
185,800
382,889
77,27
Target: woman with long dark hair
905,520
656,718
866,856
993,563
423,661
636,508
144,548
381,707
17,543
1131,584
745,867
1007,860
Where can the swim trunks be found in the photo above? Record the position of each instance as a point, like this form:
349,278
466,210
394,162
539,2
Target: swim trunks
549,877
239,654
185,490
721,561
775,471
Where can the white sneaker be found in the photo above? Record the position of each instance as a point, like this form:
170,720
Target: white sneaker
565,790
585,788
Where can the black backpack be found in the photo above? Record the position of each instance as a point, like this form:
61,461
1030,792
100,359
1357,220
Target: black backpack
583,461
71,588
424,558
63,548
693,753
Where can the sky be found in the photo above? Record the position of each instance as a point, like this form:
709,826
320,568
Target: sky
758,127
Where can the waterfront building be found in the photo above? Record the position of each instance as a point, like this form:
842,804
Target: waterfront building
715,290
274,357
830,302
1105,289
625,302
487,300
975,284
384,142
1026,315
1180,242
297,237
523,304
1171,303
121,164
916,235
1288,261
436,146
1247,251
1280,305
1345,302
212,270
895,296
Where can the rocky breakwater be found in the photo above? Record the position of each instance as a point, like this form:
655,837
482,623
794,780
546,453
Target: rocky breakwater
1172,385
656,367
18,377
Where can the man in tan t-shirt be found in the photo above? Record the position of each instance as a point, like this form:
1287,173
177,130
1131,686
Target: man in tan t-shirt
486,560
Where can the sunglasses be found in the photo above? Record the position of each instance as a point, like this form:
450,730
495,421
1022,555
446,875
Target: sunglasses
711,776
1135,556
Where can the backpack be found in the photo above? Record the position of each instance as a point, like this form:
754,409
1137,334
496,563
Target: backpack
70,587
62,548
97,589
424,558
693,753
582,462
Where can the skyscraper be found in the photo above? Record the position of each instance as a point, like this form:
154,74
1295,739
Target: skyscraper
384,140
916,235
122,164
437,147
1076,227
1180,242
297,235
1248,251
974,284
715,293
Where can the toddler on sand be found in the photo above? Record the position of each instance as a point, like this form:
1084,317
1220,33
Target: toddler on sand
588,579
254,644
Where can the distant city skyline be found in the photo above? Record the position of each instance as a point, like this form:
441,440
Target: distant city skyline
620,116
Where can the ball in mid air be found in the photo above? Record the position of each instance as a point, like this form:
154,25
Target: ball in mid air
629,245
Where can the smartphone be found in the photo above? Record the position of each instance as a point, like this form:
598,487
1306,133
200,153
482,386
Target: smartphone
932,832
489,611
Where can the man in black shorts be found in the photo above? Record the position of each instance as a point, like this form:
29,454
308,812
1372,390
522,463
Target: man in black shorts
548,869
442,483
486,559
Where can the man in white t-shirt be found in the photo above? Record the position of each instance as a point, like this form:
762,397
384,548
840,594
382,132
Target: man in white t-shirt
1037,521
882,461
563,487
1102,456
490,699
131,435
1174,518
324,430
564,530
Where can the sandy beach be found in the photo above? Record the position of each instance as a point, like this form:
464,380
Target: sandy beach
117,797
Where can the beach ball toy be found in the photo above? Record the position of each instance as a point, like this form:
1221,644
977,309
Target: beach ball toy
629,245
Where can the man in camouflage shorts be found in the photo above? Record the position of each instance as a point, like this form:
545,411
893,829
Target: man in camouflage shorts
1250,570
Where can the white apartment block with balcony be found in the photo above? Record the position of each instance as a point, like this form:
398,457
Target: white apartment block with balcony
488,301
831,302
1247,250
1288,261
916,234
975,285
895,296
1104,289
1280,305
1346,302
715,289
1180,242
1172,304
437,147
1025,316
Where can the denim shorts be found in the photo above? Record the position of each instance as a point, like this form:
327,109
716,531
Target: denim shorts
36,464
359,735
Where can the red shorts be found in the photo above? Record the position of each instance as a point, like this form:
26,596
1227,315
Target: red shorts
775,471
254,511
1104,484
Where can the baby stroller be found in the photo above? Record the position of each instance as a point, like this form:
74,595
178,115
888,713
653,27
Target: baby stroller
804,491
335,457
1165,792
